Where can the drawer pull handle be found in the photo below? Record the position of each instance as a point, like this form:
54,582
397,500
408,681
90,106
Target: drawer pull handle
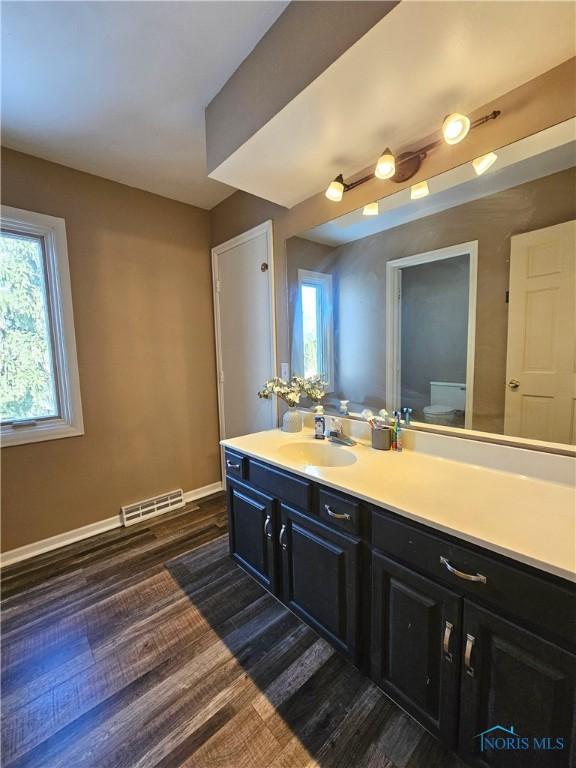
448,627
267,531
282,538
461,574
232,465
470,640
337,515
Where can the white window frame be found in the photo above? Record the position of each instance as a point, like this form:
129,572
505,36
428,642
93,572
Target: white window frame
69,423
324,282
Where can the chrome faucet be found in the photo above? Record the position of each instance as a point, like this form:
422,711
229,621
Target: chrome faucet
336,434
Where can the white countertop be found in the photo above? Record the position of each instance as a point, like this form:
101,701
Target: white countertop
527,519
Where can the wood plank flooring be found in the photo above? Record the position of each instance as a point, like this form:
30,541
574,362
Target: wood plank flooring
147,647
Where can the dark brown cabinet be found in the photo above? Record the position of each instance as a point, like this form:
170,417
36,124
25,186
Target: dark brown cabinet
512,680
252,521
415,649
320,578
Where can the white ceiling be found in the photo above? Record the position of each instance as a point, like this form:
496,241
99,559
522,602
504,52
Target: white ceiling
118,89
394,86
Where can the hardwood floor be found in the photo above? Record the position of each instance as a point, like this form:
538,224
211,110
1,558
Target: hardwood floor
147,647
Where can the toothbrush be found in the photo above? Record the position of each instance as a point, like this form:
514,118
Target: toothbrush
398,440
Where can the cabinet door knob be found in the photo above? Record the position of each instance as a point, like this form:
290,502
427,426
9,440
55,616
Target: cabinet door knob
461,575
282,537
337,515
470,640
267,531
232,465
448,627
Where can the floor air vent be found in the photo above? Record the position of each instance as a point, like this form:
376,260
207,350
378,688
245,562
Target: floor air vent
158,505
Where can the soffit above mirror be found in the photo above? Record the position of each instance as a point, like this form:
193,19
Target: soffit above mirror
394,86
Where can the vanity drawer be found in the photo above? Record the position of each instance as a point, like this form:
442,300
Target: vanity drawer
235,464
282,486
339,511
545,603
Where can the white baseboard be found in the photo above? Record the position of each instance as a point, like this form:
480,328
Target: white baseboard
61,540
86,531
200,493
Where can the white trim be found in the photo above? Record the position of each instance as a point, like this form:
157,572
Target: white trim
86,531
200,493
70,423
262,229
60,540
393,319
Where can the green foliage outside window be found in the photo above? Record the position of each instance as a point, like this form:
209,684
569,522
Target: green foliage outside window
27,388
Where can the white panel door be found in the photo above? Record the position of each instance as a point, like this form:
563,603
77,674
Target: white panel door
541,359
245,330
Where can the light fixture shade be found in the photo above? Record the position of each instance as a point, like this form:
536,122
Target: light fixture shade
371,209
419,190
481,164
335,189
386,165
455,128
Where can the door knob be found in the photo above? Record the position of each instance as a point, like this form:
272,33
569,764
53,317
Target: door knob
513,383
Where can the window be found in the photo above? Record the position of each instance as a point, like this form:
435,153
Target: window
39,388
317,323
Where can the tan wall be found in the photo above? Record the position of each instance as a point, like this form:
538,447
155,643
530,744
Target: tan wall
532,107
141,290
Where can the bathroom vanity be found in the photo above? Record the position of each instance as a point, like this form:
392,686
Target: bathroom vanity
461,613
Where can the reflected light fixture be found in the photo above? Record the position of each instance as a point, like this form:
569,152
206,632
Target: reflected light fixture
386,165
481,164
455,128
419,190
336,189
370,209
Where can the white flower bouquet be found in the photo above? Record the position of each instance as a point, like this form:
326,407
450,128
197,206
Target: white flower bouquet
313,387
291,391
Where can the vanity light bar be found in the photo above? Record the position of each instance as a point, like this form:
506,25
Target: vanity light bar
399,169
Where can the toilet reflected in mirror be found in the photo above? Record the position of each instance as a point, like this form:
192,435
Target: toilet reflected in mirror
447,404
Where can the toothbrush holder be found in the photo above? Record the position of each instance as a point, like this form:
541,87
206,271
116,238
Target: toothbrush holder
382,439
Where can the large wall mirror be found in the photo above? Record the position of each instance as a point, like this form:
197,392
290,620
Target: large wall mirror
459,305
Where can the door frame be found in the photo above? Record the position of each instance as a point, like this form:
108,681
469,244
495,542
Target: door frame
394,319
251,234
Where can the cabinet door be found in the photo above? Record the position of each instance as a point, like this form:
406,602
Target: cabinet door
415,649
513,681
320,570
252,520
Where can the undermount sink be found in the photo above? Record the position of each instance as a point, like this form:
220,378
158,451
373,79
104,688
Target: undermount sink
317,454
